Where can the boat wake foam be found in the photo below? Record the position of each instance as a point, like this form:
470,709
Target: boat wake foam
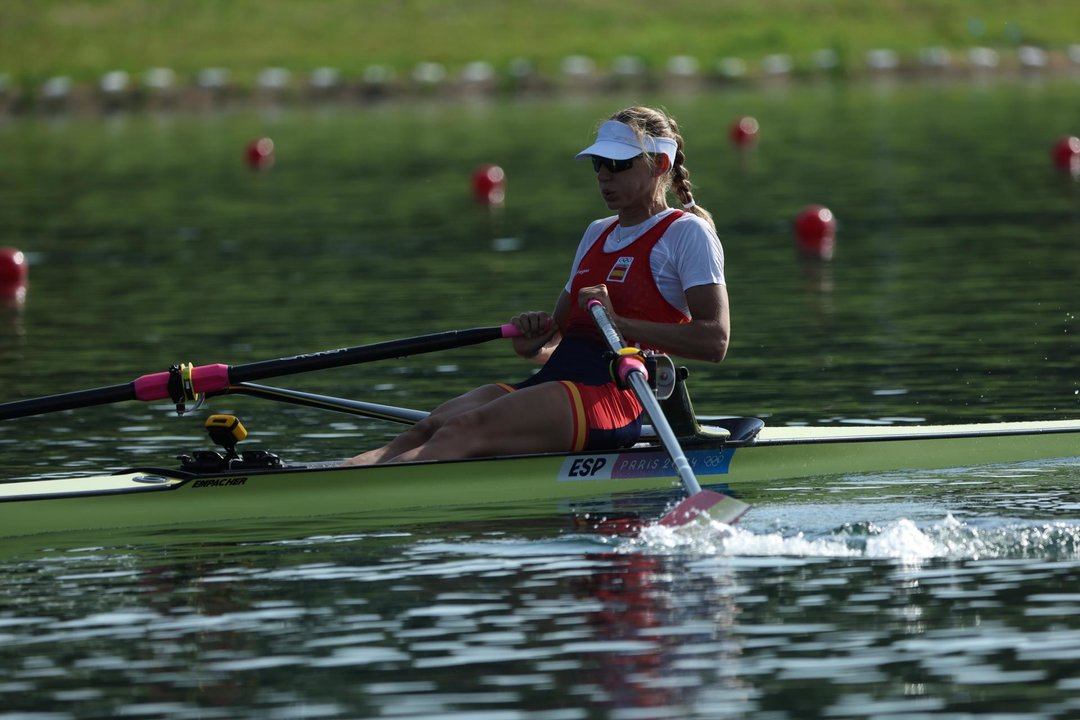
902,539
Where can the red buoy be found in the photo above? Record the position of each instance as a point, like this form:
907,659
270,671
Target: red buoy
815,231
744,131
260,154
13,267
489,185
1066,154
14,275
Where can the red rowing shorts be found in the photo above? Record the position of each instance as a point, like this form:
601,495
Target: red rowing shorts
603,417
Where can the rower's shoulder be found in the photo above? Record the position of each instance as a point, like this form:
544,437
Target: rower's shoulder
689,220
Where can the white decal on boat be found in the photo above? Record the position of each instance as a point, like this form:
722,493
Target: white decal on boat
587,467
640,465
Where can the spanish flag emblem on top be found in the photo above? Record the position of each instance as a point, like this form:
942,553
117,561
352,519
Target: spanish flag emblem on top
620,269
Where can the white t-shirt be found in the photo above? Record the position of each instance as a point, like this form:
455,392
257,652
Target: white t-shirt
688,254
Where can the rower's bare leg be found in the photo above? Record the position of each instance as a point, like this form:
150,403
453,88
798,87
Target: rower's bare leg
531,420
422,431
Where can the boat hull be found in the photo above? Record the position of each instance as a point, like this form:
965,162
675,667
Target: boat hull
543,483
155,496
792,452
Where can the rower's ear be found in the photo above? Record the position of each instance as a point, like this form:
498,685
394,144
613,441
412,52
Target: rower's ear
663,165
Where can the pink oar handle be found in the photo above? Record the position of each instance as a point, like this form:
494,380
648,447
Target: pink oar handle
204,379
510,330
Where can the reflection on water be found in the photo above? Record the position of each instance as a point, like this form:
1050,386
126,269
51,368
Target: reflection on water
950,297
860,621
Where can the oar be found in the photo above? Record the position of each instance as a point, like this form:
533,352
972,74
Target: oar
632,371
188,381
377,411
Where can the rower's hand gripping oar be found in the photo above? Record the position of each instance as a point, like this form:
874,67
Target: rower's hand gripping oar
185,382
632,371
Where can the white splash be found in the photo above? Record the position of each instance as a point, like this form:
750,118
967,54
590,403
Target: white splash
902,539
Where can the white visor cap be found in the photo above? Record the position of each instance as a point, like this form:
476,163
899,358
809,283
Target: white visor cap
618,141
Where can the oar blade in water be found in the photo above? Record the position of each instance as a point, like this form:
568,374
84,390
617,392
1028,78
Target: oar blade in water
705,504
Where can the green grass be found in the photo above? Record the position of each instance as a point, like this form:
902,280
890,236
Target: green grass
85,38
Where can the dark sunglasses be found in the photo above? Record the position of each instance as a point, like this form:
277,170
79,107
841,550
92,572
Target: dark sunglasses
613,166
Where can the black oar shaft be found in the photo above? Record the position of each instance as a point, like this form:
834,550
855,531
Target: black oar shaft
361,354
377,411
214,378
67,401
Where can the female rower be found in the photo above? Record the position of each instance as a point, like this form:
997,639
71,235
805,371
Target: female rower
659,273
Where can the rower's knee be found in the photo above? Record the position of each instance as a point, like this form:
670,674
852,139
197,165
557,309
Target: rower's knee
425,429
455,437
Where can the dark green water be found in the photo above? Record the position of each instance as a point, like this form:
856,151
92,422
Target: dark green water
952,296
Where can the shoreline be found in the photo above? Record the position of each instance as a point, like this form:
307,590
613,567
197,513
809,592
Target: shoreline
158,89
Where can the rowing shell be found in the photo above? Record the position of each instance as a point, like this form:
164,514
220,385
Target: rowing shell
753,457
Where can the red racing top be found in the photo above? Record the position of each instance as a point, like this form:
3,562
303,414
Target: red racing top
629,280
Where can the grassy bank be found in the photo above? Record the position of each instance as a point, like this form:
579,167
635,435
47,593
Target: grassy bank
83,39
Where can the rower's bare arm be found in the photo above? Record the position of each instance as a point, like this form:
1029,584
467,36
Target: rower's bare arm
705,337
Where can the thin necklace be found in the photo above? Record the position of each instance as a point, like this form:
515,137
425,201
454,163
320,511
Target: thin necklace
618,235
